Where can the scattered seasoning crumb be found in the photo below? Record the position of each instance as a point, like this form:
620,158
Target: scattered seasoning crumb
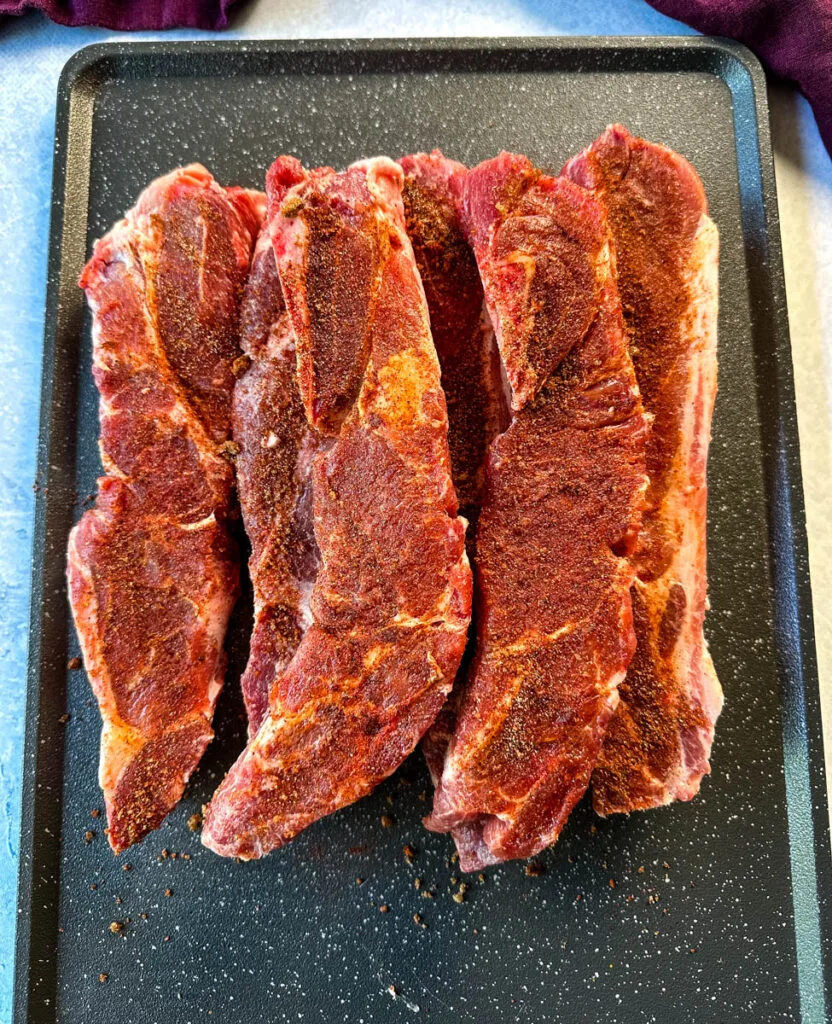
578,898
422,796
641,870
389,799
417,918
593,829
359,880
666,866
127,867
409,853
118,900
74,664
454,880
63,719
386,821
103,977
481,876
167,938
417,883
427,894
95,813
240,365
571,859
194,822
454,857
186,856
392,990
534,869
612,883
93,886
693,949
459,896
384,908
165,854
168,892
174,856
89,836
143,915
116,927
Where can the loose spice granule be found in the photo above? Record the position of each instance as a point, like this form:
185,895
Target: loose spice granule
89,836
186,856
422,796
168,892
641,870
386,821
194,822
143,915
74,664
666,866
384,908
63,719
454,857
389,799
118,901
116,927
427,894
409,853
93,886
454,879
359,881
612,883
103,977
417,883
167,938
127,867
459,897
165,854
481,876
535,869
417,918
95,813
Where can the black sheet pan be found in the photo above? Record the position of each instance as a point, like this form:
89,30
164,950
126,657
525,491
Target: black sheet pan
715,911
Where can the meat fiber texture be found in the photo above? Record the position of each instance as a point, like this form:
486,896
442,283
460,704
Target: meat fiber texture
274,467
561,508
391,601
660,738
152,569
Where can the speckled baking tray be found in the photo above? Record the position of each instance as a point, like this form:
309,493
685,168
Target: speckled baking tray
715,911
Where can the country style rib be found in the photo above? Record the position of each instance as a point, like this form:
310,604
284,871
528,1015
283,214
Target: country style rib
274,465
468,357
391,603
152,569
660,738
560,513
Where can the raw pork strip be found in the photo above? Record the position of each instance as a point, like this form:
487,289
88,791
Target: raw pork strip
152,569
391,603
274,466
560,513
468,356
659,741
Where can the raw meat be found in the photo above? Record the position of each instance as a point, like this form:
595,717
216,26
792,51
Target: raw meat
459,322
274,465
560,513
152,569
659,741
468,358
391,602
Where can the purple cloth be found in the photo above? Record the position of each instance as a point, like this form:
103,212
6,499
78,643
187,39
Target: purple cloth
127,15
793,38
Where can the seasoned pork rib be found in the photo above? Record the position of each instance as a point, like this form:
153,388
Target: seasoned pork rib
274,465
152,569
659,741
391,603
560,511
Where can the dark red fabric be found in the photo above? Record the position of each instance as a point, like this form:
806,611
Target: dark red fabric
127,15
793,38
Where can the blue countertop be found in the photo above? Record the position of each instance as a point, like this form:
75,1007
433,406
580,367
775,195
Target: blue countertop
32,53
